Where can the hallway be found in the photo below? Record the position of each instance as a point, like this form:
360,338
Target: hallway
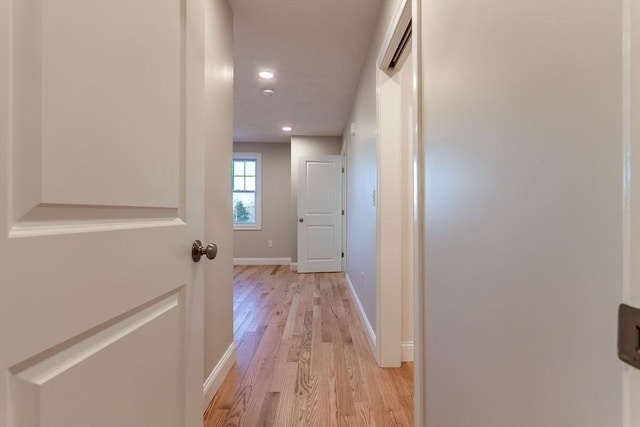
303,358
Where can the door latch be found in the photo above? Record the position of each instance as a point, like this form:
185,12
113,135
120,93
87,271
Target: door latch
629,335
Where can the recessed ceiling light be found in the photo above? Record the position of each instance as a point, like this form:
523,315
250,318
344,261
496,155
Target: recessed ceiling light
268,91
266,74
286,128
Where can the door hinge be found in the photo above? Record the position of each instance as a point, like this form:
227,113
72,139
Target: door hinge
342,211
342,170
342,254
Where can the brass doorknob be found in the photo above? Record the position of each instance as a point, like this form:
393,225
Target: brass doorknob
197,250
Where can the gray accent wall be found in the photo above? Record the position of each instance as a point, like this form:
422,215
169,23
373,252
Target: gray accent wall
218,134
361,169
276,217
306,146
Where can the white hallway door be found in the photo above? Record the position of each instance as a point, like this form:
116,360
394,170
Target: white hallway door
101,198
320,214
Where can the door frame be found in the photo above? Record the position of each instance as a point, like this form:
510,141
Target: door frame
417,143
630,197
419,338
389,207
343,221
419,176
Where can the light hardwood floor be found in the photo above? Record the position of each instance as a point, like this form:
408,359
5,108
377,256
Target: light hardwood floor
303,358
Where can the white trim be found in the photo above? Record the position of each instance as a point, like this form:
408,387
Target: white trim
630,201
371,335
399,22
293,266
261,261
419,333
258,192
406,348
391,164
220,371
626,193
343,222
246,227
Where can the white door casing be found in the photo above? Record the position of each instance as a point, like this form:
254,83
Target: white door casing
394,229
319,214
101,191
417,136
631,195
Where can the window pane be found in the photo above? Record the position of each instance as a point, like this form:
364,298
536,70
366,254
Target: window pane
244,208
250,168
238,183
244,190
238,167
250,183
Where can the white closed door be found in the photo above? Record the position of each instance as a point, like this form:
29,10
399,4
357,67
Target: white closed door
100,189
319,214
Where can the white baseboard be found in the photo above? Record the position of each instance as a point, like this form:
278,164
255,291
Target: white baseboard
363,317
220,371
261,261
406,348
293,266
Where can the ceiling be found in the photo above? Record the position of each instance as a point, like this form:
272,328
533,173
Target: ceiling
316,48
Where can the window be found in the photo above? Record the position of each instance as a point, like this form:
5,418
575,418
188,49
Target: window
246,191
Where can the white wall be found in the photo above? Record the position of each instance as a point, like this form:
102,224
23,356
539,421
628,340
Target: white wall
276,194
306,146
523,210
218,212
361,158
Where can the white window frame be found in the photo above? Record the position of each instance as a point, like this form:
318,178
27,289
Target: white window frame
258,158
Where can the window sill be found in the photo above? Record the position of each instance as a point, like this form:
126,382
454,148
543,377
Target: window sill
252,227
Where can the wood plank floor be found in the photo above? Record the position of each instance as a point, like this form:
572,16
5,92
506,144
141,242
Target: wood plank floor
303,358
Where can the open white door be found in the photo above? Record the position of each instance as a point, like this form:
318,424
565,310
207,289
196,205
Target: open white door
100,201
524,177
320,214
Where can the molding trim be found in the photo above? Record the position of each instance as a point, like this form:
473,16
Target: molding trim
406,349
261,261
399,22
363,317
630,184
293,266
220,371
418,135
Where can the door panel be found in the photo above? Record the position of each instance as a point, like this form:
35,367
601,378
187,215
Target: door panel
113,113
320,199
101,189
88,89
320,243
319,207
95,379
